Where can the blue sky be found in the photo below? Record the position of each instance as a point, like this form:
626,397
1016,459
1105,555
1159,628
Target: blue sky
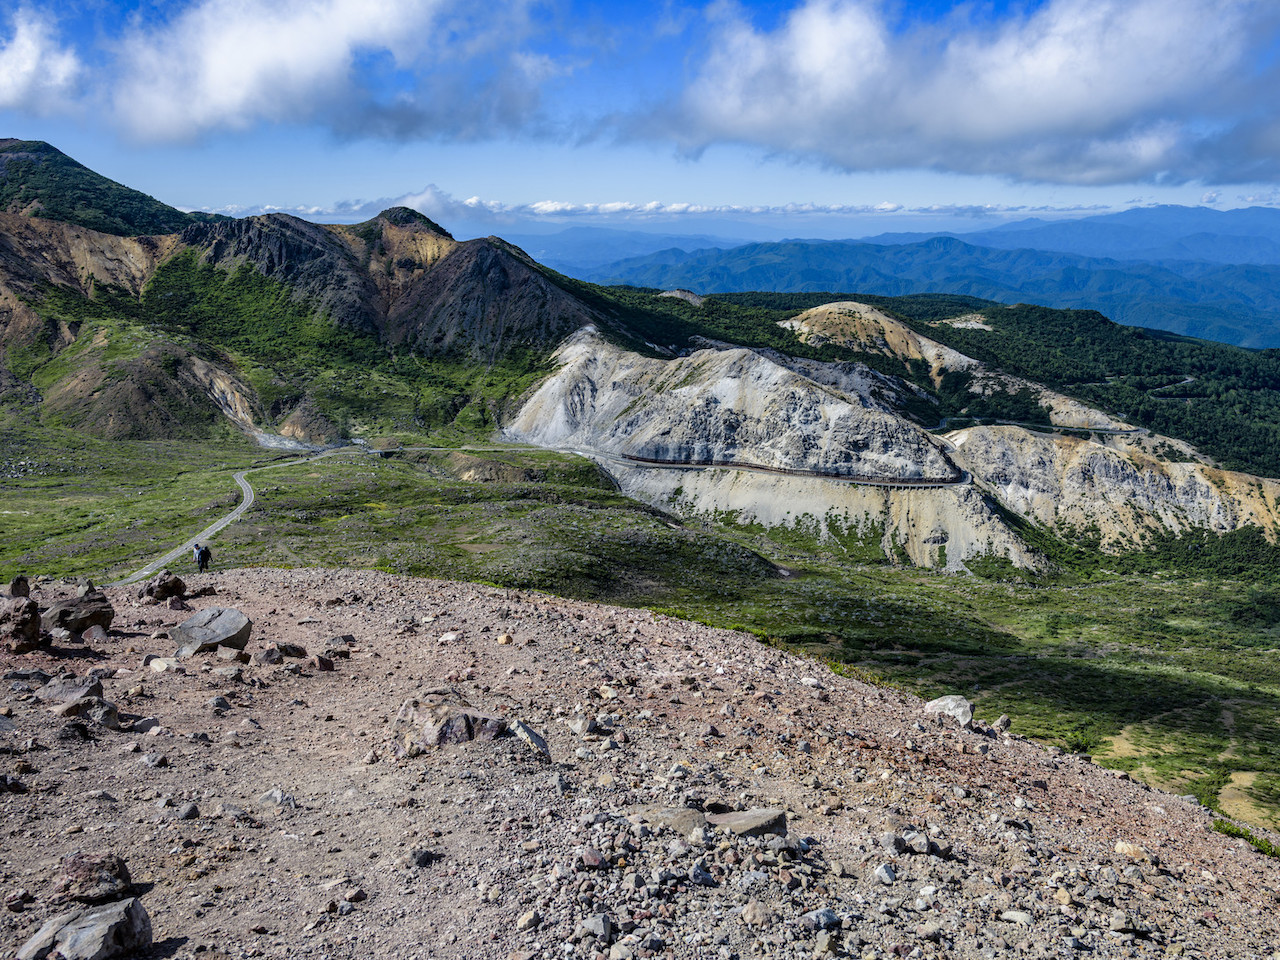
832,118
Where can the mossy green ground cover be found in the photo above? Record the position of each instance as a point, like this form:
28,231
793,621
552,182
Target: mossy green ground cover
1173,677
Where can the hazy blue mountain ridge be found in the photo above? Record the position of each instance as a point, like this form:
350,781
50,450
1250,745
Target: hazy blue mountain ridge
1232,303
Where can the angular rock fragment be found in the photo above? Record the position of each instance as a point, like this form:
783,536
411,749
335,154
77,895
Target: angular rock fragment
64,691
93,878
20,624
162,586
120,929
437,717
751,823
211,628
530,736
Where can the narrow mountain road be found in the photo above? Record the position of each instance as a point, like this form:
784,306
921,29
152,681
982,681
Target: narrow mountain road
246,501
964,476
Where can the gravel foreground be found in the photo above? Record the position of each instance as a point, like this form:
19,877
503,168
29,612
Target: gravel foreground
704,796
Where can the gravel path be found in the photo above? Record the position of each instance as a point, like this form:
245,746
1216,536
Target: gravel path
279,808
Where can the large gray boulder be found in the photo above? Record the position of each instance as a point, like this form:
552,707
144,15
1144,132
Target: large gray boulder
80,613
163,586
437,717
120,929
210,629
954,706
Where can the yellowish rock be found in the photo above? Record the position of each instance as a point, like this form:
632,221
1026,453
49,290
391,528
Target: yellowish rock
1132,851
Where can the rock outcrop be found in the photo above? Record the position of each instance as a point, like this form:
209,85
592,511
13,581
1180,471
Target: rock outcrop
727,406
813,428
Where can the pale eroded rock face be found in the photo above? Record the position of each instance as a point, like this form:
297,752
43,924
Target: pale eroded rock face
724,406
1070,483
815,426
824,421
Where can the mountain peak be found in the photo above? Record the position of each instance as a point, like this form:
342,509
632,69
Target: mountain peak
39,180
407,216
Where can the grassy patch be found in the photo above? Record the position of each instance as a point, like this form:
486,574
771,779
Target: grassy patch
1170,676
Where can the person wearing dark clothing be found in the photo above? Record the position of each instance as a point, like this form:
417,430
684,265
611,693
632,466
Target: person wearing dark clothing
203,556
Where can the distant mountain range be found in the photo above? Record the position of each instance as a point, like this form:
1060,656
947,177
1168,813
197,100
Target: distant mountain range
1249,235
579,249
1188,270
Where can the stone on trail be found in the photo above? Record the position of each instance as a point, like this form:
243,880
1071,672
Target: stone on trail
437,717
954,706
683,820
120,929
751,823
94,709
64,691
211,628
823,918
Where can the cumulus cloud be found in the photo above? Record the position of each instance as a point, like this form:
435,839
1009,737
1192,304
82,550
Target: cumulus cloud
397,69
444,208
37,75
1077,91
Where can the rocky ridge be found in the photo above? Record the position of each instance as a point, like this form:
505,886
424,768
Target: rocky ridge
819,423
1117,480
651,788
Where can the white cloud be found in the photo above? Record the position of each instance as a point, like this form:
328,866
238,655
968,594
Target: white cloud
1079,91
397,68
444,208
36,74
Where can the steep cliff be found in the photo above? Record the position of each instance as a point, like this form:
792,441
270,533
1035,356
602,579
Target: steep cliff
813,428
731,406
1112,486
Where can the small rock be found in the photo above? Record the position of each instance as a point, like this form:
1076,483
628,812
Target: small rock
823,918
211,628
599,925
885,873
535,740
751,823
275,797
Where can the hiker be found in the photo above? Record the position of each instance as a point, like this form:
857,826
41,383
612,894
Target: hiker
195,554
203,556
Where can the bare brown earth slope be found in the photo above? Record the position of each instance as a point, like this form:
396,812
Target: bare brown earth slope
704,796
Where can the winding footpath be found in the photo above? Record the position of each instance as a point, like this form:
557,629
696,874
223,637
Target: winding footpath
246,501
